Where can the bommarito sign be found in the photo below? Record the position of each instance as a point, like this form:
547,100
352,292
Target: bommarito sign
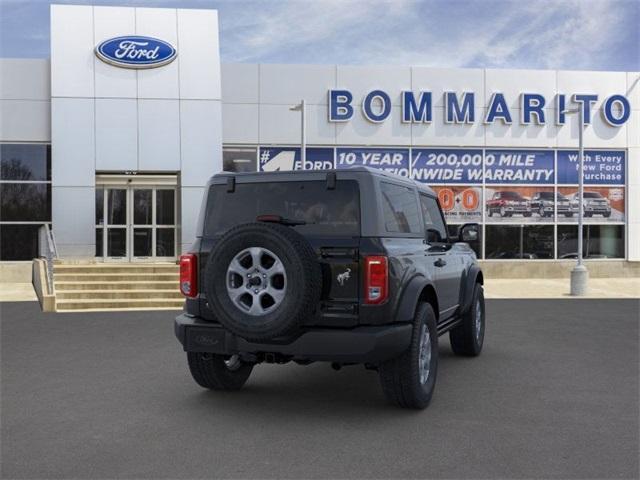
460,108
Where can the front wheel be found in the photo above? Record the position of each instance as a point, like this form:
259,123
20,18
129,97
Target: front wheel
217,372
409,380
468,337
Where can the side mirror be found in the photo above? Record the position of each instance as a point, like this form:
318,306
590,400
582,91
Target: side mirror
469,232
433,236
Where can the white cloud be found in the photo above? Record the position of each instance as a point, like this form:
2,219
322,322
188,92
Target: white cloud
555,34
535,34
253,30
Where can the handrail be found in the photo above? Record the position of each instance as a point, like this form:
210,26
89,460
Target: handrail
47,249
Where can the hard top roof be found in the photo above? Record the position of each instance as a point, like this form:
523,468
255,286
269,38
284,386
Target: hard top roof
317,175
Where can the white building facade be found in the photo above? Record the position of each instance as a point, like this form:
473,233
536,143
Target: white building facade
115,158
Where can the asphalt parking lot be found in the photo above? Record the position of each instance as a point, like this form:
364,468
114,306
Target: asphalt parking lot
555,394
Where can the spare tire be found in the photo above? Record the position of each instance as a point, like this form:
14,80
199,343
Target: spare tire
262,280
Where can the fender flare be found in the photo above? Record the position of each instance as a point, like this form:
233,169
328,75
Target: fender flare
471,277
409,300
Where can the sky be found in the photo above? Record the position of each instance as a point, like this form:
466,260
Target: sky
534,34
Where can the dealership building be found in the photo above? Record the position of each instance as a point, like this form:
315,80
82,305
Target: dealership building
114,157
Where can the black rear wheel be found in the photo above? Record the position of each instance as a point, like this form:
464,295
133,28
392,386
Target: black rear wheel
217,372
468,337
409,380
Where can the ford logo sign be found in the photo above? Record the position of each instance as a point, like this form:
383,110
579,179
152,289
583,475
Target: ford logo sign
134,51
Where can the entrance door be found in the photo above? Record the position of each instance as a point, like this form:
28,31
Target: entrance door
153,229
136,223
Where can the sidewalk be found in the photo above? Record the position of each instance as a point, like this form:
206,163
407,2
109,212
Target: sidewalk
559,288
493,288
17,292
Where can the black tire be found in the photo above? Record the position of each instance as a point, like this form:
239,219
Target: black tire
210,371
400,377
606,214
303,281
465,338
527,214
568,215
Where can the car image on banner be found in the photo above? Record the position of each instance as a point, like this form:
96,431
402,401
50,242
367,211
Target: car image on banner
520,204
601,205
544,203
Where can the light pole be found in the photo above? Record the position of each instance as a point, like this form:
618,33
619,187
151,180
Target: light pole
580,274
303,131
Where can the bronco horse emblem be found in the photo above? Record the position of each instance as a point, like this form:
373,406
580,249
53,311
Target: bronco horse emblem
344,276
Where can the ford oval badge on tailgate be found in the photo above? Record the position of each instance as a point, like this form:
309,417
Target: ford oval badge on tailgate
136,52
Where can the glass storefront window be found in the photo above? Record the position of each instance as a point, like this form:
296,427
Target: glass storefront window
598,241
25,198
99,206
165,206
25,162
528,242
99,242
165,242
142,206
18,242
117,206
239,159
25,202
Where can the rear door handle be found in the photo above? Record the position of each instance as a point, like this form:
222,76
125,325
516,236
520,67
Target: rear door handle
439,263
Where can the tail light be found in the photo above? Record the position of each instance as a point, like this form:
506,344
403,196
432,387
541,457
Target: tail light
376,279
189,275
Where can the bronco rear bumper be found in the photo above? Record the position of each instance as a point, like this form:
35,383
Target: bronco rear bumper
366,344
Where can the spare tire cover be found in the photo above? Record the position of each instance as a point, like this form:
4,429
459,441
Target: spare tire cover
262,280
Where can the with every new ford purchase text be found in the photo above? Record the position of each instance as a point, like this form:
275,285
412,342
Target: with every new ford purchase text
348,266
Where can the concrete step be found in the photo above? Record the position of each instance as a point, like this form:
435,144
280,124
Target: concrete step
124,268
119,286
118,309
119,294
115,277
118,304
149,284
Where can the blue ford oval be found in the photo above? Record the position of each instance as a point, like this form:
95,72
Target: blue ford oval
134,51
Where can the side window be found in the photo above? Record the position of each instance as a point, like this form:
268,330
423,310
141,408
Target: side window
400,209
432,216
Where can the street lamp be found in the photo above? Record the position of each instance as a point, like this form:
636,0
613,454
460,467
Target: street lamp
579,273
303,133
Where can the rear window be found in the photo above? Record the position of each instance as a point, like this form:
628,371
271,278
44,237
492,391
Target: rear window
326,212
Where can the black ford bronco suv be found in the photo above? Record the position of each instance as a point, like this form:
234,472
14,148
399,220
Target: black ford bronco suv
343,266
